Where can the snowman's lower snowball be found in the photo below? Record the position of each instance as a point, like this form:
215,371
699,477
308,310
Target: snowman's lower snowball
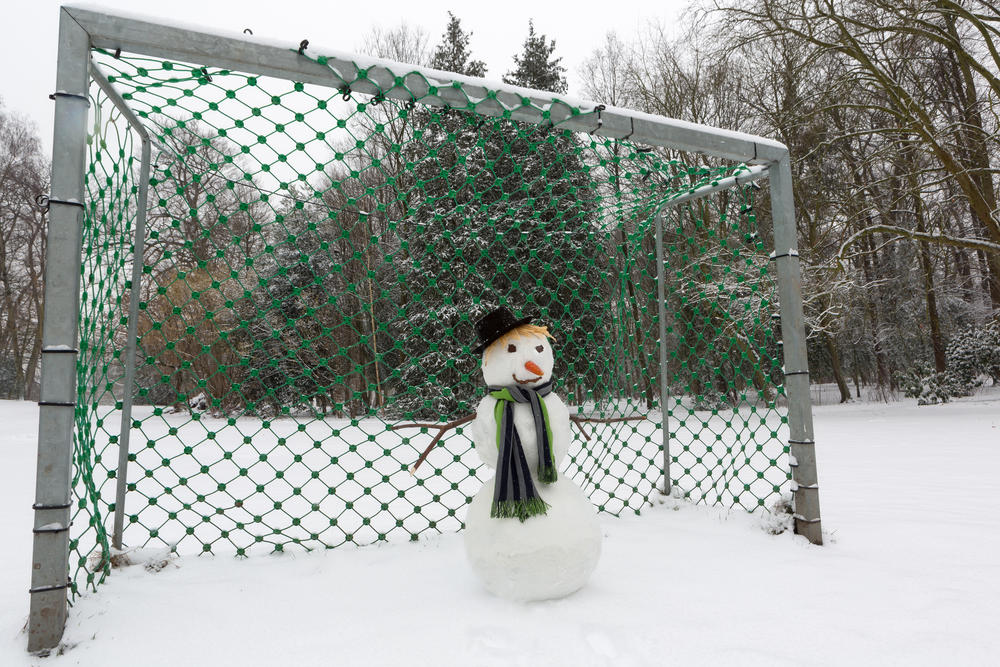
547,556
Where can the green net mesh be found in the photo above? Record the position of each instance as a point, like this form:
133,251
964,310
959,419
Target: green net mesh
315,260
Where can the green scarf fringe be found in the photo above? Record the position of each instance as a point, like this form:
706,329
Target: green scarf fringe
519,509
548,475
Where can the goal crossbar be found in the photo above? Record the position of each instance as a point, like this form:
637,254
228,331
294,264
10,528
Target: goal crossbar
374,76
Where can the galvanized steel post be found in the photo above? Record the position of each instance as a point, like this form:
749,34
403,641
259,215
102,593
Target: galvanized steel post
135,291
128,387
50,555
796,364
661,314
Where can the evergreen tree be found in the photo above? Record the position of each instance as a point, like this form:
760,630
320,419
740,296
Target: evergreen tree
439,252
501,214
453,54
973,355
535,66
555,179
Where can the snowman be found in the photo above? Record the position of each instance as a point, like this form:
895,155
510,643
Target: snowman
530,533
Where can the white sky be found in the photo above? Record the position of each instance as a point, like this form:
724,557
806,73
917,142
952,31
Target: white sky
29,30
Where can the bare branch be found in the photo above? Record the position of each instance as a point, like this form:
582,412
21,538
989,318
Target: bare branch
930,237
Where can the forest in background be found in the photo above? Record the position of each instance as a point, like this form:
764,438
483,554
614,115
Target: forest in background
889,111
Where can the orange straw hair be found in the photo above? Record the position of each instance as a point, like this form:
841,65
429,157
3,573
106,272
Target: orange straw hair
517,333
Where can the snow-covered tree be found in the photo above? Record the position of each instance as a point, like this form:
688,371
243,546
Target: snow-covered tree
550,176
440,255
499,215
973,355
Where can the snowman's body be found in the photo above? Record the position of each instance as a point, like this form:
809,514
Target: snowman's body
547,555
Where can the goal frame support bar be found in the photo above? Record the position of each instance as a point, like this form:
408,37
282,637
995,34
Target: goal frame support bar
752,174
135,292
83,28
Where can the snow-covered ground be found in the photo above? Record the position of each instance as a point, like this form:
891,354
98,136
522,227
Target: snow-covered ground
910,575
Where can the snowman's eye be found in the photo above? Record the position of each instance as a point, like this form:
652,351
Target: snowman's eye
540,348
512,348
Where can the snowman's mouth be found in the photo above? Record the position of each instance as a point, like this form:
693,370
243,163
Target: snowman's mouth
534,379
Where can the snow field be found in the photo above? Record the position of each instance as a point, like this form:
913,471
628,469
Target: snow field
909,575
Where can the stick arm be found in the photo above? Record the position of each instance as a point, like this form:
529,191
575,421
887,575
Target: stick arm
442,429
578,421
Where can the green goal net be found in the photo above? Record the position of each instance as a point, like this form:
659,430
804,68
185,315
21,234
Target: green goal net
313,263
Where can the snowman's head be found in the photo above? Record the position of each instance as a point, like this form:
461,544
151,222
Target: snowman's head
521,357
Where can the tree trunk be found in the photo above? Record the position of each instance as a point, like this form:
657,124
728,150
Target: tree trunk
963,265
857,379
937,342
973,138
838,372
639,342
882,380
926,265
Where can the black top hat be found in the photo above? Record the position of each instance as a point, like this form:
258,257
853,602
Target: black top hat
495,324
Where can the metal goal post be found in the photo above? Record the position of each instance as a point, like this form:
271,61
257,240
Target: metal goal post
84,32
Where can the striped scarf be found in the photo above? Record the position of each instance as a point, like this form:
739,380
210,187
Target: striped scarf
514,493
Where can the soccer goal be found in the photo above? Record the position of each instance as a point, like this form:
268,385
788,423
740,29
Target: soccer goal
264,266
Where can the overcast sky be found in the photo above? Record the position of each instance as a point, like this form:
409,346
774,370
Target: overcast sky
29,31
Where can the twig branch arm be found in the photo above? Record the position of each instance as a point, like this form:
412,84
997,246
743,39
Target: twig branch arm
610,420
442,429
578,421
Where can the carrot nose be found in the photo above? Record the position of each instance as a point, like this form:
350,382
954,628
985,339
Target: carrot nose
533,367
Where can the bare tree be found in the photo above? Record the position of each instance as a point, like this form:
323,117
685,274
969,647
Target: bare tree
403,43
203,232
883,44
24,174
